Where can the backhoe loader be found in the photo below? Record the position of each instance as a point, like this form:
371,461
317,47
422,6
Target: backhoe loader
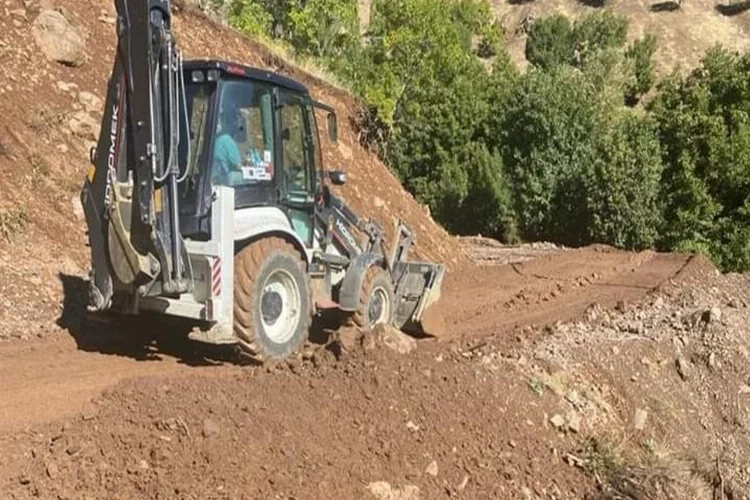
207,199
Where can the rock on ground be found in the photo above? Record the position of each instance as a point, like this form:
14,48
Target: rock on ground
382,490
58,39
394,339
90,102
83,125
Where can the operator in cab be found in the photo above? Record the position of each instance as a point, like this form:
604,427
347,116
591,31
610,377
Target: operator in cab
228,165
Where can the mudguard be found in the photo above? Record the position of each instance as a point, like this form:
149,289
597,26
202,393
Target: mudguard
351,285
252,222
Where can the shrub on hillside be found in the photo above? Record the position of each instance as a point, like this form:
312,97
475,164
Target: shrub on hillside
250,17
704,128
623,186
641,53
548,140
324,28
581,170
555,40
550,42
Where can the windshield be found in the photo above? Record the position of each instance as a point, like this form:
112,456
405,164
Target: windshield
243,152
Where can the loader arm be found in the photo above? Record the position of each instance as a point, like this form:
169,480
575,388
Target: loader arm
130,195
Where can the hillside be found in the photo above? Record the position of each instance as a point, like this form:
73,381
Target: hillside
684,34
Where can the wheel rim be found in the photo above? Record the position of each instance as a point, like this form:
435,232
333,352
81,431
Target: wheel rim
379,308
280,306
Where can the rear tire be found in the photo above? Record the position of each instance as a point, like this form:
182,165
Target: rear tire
272,312
377,302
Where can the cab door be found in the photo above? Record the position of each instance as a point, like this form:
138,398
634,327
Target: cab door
297,163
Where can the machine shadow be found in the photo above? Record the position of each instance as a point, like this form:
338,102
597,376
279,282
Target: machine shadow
143,338
151,337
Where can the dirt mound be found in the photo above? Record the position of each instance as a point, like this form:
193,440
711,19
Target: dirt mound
324,429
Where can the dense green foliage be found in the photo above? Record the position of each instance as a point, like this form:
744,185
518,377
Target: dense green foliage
563,151
704,125
555,40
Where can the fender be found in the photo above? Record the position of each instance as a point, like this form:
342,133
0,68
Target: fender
355,275
249,223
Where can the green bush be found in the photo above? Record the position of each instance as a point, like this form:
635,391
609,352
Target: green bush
554,40
704,128
324,28
641,53
251,17
551,42
624,184
548,139
580,170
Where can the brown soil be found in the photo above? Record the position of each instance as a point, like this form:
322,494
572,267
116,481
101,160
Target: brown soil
135,414
549,351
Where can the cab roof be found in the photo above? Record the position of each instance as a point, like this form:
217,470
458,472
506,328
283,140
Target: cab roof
241,70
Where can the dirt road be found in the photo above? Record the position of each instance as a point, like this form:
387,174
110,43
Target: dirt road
554,287
48,380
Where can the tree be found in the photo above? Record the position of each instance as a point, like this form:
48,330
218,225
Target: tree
641,53
548,140
704,127
623,185
551,42
554,40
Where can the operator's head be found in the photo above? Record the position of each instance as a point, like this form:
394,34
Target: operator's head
231,121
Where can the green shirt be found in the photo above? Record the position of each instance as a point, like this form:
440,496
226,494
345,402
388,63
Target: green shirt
226,159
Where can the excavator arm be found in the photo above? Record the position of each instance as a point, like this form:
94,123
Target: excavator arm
130,197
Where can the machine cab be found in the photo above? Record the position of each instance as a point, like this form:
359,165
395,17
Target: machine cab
256,132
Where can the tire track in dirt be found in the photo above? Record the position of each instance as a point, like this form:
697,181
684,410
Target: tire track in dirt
43,381
552,288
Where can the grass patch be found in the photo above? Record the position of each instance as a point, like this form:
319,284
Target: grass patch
13,222
45,119
650,472
39,165
601,458
40,169
536,386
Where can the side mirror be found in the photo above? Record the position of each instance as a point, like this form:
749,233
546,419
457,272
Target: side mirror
333,127
338,177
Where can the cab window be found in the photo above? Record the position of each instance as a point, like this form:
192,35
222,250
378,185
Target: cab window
243,150
295,149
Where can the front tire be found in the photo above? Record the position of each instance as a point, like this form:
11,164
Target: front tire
272,311
377,302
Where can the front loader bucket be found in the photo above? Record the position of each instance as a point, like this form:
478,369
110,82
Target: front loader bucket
418,289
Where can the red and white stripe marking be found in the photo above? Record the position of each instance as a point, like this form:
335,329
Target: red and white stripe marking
216,277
